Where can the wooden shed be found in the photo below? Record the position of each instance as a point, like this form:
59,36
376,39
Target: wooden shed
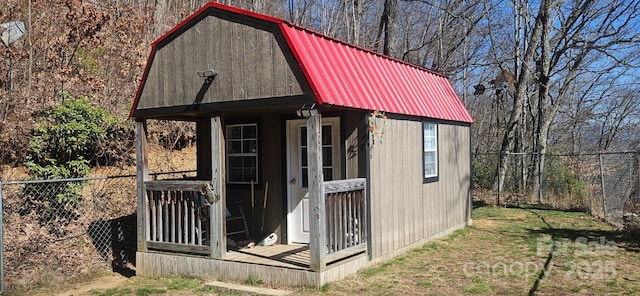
366,156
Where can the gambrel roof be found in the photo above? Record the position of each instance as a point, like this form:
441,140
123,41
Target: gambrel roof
336,73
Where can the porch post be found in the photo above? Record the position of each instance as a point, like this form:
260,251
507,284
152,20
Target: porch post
217,239
318,237
142,174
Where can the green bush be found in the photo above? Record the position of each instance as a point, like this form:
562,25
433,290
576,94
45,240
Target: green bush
561,180
483,173
65,140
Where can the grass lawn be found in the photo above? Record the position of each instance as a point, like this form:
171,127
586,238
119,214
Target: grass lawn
506,252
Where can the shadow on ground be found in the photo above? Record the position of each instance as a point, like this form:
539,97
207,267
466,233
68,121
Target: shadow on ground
116,240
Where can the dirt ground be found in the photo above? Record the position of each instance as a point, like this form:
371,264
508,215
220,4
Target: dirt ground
101,283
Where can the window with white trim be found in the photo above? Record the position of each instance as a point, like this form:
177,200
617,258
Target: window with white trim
430,151
242,153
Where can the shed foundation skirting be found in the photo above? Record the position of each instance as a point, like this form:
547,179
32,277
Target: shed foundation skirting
152,264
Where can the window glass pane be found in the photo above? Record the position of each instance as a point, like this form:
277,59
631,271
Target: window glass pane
327,156
326,135
429,164
235,146
429,143
305,178
303,136
249,175
249,162
328,174
234,132
428,157
253,146
249,146
429,171
303,157
249,132
235,162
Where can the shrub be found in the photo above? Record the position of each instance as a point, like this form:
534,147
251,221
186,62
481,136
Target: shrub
483,173
561,180
64,142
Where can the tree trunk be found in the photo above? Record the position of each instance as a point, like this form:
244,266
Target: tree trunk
158,17
389,22
520,96
542,129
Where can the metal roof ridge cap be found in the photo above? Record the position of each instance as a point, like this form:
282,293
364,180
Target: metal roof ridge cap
367,50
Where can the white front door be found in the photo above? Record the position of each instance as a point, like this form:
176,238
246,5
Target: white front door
298,226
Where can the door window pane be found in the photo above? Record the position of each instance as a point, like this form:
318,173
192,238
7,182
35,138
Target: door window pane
303,136
328,174
305,178
326,135
327,154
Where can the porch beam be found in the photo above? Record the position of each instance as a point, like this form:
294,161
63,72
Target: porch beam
317,215
217,239
142,175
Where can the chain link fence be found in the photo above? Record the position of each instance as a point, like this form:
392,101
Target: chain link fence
604,184
55,230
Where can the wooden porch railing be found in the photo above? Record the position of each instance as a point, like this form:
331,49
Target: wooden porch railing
177,219
346,218
177,216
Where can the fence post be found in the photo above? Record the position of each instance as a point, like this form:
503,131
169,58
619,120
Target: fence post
540,176
604,195
636,173
1,244
498,176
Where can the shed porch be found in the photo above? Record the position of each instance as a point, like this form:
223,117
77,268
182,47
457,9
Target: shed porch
186,219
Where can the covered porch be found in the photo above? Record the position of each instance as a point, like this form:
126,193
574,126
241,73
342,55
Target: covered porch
187,219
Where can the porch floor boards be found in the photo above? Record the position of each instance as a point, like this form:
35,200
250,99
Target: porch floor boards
289,256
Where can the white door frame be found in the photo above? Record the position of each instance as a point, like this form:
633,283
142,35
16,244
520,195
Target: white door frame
292,188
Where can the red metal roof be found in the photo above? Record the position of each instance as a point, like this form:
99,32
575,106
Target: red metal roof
345,75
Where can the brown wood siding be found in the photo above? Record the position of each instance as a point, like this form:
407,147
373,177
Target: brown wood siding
251,60
270,169
403,209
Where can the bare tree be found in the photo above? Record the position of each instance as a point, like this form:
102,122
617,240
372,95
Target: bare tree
388,30
567,40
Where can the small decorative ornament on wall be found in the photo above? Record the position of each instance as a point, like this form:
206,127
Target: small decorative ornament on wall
377,126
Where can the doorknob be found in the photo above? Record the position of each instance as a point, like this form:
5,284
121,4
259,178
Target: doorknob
293,181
